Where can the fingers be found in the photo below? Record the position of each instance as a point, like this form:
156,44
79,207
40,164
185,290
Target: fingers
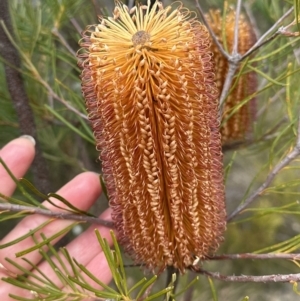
82,192
17,155
85,249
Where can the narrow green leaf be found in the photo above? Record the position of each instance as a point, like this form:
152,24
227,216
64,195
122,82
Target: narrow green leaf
19,298
145,286
213,289
69,125
270,79
103,294
79,103
29,234
187,287
66,280
11,216
56,255
53,265
295,288
297,15
282,247
159,294
24,285
120,263
71,262
143,280
48,240
64,201
44,279
90,275
111,262
276,51
30,186
228,167
26,273
248,98
19,186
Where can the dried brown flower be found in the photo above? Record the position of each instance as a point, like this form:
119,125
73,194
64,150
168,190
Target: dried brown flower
149,87
239,125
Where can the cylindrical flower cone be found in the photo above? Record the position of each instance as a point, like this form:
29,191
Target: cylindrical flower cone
148,81
239,125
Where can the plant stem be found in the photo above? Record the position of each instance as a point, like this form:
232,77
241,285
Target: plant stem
295,256
214,37
63,41
250,278
58,215
235,50
262,40
292,155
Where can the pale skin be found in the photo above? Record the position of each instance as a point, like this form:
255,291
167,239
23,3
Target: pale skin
82,191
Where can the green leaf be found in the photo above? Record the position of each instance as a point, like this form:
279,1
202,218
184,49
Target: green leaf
69,125
146,286
135,286
46,241
160,293
72,209
29,234
213,289
90,275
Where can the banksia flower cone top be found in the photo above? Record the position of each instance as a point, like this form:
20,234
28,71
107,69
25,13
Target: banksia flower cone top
149,87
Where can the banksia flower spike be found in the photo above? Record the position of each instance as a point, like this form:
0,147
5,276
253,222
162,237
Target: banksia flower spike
149,87
239,125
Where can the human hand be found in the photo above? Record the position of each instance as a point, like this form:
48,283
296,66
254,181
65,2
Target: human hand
82,192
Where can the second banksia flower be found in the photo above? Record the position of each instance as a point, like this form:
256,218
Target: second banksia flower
149,86
239,125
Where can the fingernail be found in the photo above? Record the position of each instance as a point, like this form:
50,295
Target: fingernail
30,138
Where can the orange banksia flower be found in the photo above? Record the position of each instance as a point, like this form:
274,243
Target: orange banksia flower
149,87
239,125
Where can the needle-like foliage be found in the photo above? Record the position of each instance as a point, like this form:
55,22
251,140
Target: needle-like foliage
261,170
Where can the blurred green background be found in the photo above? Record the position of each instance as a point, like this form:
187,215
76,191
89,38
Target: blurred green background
46,35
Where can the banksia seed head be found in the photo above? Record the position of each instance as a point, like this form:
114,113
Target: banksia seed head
149,87
239,124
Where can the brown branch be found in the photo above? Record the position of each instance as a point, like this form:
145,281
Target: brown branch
60,99
295,256
262,40
249,256
76,25
19,98
283,163
58,215
227,85
235,58
250,278
214,37
236,29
